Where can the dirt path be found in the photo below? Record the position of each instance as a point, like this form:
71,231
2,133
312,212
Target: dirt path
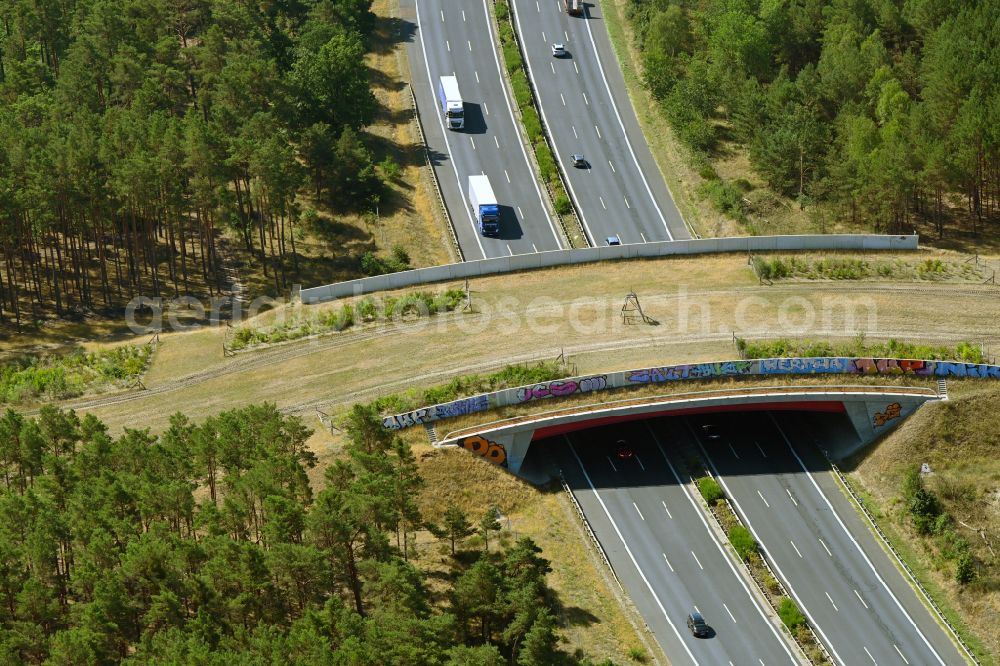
333,371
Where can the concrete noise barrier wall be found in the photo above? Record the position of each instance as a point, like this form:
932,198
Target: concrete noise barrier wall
522,262
673,373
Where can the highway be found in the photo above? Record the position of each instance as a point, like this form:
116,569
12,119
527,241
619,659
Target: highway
847,586
587,110
446,38
662,549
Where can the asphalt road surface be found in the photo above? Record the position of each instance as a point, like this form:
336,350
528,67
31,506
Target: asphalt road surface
866,613
662,549
587,110
449,38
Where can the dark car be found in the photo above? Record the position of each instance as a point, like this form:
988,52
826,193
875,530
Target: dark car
696,623
711,431
623,450
579,161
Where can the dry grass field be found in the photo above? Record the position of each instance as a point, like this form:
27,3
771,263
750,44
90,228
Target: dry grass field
698,303
960,439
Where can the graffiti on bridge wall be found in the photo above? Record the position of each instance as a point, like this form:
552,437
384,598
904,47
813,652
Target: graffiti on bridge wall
561,387
479,403
492,451
803,366
891,412
893,366
671,373
978,370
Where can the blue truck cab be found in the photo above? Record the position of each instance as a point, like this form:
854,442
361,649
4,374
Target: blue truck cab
484,205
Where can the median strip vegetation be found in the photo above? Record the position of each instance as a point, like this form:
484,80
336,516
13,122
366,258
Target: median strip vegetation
514,64
748,550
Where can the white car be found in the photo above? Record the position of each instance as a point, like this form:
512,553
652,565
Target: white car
559,50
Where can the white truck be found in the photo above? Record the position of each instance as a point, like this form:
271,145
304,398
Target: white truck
484,205
451,103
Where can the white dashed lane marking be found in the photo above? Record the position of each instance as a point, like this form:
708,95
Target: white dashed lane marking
699,563
667,561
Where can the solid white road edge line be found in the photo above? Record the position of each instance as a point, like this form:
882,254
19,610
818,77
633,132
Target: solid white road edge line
555,234
444,130
629,551
624,133
725,557
856,544
749,526
510,110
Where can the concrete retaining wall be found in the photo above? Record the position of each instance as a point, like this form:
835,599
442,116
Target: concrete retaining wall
522,262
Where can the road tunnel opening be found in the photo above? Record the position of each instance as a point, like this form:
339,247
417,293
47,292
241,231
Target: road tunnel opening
655,450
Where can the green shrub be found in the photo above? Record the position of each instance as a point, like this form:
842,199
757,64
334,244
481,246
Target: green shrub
771,269
965,569
59,377
401,257
340,319
790,614
842,269
725,197
390,168
519,375
710,489
546,163
367,309
771,584
743,542
708,172
532,125
509,376
857,347
522,92
931,268
502,10
372,264
245,337
511,54
637,655
563,204
969,353
413,305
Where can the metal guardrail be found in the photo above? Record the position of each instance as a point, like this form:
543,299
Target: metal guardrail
859,501
590,532
536,104
430,167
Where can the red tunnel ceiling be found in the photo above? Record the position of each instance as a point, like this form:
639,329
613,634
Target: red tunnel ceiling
808,406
